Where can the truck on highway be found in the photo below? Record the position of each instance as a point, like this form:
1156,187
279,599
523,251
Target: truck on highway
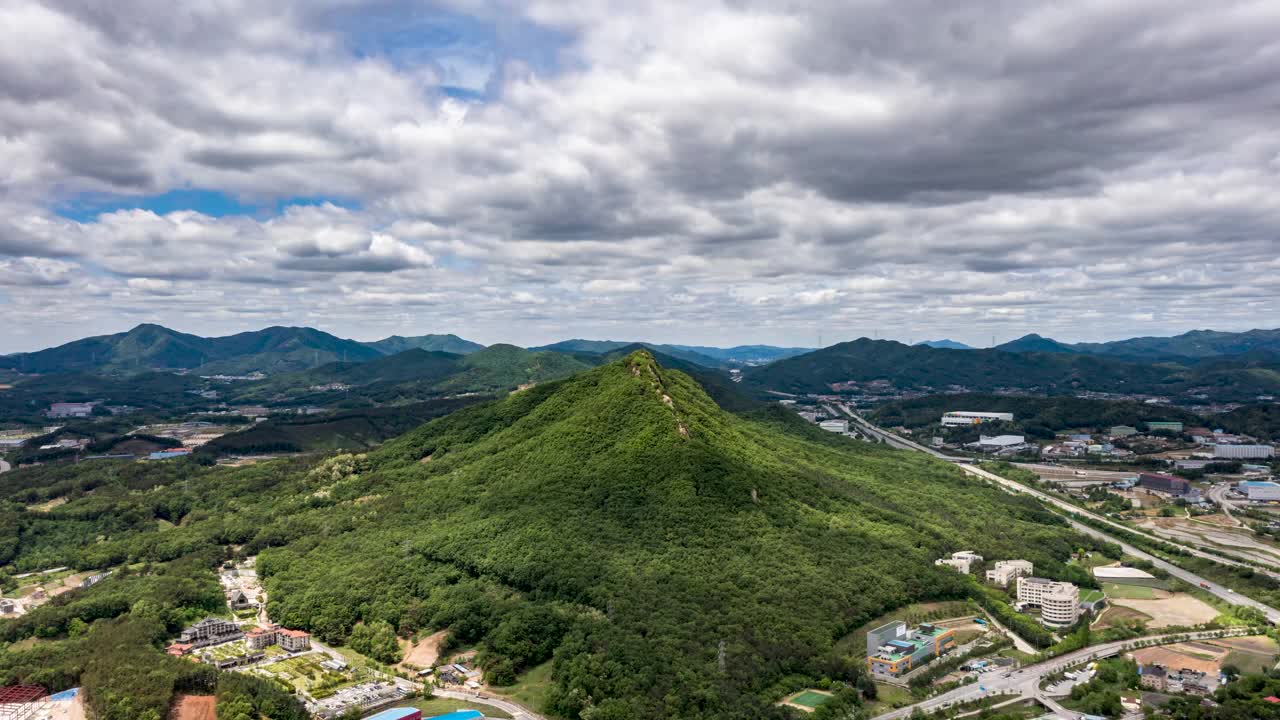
1204,585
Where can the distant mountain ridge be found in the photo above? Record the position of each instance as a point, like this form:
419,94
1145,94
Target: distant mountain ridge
154,347
704,355
433,343
1193,344
945,344
1241,377
602,347
272,350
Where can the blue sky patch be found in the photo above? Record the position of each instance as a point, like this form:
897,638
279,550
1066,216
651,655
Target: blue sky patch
86,208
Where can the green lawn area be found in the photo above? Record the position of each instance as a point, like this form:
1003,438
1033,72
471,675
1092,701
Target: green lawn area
441,706
1090,595
1129,592
531,687
888,697
1250,662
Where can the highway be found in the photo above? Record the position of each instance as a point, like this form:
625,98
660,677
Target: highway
966,465
1026,681
1219,591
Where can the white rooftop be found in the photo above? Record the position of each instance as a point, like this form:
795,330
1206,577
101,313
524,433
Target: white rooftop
1128,573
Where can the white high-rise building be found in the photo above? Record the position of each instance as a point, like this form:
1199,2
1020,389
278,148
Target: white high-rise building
1005,571
1059,602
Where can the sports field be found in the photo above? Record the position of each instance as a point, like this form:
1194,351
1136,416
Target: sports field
809,698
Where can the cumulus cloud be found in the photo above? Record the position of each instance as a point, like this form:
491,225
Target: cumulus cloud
759,171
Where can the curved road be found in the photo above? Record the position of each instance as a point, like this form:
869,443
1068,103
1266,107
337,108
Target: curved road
519,712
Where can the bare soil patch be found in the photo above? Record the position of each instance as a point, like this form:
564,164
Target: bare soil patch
425,652
1115,614
194,707
1178,609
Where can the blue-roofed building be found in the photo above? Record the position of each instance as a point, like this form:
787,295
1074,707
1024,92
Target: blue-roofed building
459,715
399,714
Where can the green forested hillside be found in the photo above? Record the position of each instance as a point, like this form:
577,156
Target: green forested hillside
619,520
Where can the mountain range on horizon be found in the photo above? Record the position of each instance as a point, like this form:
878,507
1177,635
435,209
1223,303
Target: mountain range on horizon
277,350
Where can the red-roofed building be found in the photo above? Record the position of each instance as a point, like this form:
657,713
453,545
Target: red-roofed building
1272,699
179,649
294,640
260,637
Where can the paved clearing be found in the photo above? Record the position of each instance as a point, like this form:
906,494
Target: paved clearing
1179,609
194,707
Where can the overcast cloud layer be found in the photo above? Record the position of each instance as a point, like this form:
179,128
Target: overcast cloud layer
675,171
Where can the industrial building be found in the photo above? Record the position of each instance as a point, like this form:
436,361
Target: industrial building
895,650
960,561
966,417
1006,571
1171,426
1166,484
1126,576
1260,490
1243,451
837,426
1059,602
1000,443
70,410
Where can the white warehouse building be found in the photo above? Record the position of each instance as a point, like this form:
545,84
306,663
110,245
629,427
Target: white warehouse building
1259,490
837,426
1243,451
1059,602
966,417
